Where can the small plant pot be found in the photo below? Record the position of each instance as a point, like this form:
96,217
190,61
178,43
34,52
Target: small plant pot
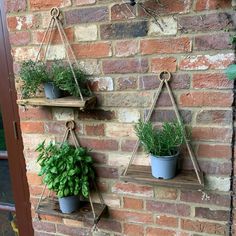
164,167
69,204
51,91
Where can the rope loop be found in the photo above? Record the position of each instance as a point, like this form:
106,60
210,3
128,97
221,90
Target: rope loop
164,76
55,12
70,125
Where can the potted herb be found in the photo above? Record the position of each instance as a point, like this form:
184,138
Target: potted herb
67,171
33,75
163,146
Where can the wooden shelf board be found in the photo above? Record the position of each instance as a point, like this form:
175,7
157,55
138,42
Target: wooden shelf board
59,102
51,207
142,174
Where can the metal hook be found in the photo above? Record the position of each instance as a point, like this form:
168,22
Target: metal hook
55,12
164,75
70,125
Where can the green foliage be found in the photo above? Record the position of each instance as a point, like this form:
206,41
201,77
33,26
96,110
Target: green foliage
160,142
64,79
65,169
231,72
33,74
2,140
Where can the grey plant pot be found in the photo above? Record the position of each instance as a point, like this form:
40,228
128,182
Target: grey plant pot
164,167
51,91
69,204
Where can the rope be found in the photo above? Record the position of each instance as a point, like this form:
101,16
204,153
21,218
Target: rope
156,96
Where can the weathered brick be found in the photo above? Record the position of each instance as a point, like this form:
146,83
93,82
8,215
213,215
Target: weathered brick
132,189
126,83
33,178
205,62
132,203
220,117
15,5
211,81
127,145
99,157
92,50
207,213
150,231
63,114
174,45
96,114
19,38
32,127
84,2
72,231
214,151
125,66
116,130
214,168
42,5
54,219
25,53
202,5
44,226
95,129
122,12
101,84
133,230
163,64
37,233
126,48
128,115
168,221
166,193
211,99
205,23
35,113
86,33
110,225
86,15
168,208
124,30
212,42
203,227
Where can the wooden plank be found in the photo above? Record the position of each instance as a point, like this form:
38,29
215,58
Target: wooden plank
184,179
50,206
59,102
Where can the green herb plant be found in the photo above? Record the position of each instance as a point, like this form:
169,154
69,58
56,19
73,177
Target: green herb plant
65,169
165,141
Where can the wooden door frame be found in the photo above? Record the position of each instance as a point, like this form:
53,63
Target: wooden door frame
11,122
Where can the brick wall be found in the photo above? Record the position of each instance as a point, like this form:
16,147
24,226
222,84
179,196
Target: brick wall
124,50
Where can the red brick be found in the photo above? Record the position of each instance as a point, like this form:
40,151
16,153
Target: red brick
133,230
15,5
167,221
127,83
166,193
83,2
95,130
72,231
177,209
214,168
106,172
126,48
122,12
212,42
32,127
214,151
132,189
132,203
203,227
92,50
56,127
96,114
35,113
109,225
128,145
99,157
163,64
211,99
100,144
37,233
207,213
202,5
44,226
212,81
33,179
125,66
212,133
19,38
150,231
204,62
42,5
134,217
175,45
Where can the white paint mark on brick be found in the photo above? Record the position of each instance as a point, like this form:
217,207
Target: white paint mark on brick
217,183
128,115
86,33
63,114
56,52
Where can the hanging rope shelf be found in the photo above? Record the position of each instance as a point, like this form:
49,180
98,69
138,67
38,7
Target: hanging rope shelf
81,103
142,174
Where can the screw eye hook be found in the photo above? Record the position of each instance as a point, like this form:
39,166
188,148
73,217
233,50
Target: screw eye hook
164,75
55,12
70,125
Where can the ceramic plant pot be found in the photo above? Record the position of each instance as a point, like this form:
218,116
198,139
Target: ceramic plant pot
164,167
69,204
51,91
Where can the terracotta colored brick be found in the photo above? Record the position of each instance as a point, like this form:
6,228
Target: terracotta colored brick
175,45
92,50
211,81
205,62
32,127
42,5
15,5
132,189
211,99
164,64
134,217
132,203
19,38
203,227
125,66
212,42
35,113
100,144
126,48
33,179
122,12
214,151
202,5
95,130
167,221
44,226
207,213
133,230
177,209
157,231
